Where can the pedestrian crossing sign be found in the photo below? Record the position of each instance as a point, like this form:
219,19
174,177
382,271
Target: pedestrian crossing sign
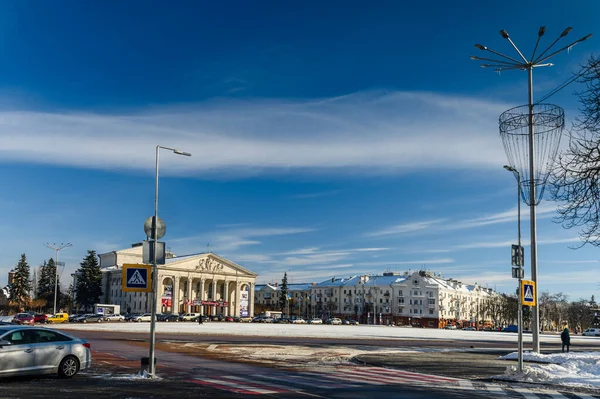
136,278
528,292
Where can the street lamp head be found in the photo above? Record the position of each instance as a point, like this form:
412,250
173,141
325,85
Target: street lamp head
585,38
178,152
509,168
480,47
504,34
566,32
541,31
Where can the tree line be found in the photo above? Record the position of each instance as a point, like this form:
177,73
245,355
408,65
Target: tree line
25,294
555,311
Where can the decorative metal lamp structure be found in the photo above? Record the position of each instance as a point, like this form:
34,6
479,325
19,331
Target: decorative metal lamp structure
531,136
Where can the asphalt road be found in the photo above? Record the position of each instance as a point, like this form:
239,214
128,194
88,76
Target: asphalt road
207,366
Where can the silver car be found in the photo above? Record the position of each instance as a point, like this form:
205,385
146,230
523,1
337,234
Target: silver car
37,350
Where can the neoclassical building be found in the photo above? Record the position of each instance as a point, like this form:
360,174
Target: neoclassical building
203,283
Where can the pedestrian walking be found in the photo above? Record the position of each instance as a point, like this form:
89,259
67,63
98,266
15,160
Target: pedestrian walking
200,319
566,339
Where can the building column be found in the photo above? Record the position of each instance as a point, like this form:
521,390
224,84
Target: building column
159,293
190,296
251,299
214,297
175,296
226,298
200,296
236,305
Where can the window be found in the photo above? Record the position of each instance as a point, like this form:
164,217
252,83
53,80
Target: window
410,302
430,311
415,282
400,300
400,293
432,301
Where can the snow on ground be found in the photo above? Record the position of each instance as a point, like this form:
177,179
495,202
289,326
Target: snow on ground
574,369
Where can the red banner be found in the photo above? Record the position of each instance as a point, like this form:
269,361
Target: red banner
166,302
215,303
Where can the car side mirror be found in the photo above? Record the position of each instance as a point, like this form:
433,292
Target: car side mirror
4,342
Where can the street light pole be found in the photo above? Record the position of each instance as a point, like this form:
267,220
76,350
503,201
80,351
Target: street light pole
151,367
519,299
505,63
57,249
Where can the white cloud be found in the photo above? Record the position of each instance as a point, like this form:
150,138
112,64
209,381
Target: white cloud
379,131
407,228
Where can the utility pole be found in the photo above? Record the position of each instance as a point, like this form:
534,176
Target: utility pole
57,249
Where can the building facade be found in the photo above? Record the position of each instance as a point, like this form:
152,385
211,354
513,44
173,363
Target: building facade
204,283
420,299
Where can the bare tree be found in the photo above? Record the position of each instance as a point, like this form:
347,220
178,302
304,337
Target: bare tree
576,176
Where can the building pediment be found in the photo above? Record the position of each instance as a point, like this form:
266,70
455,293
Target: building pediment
209,264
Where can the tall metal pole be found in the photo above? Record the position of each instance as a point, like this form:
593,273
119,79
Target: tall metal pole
532,219
154,272
520,316
503,62
154,297
57,249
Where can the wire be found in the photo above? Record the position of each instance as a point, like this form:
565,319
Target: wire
563,85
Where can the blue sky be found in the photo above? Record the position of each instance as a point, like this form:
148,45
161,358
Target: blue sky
327,140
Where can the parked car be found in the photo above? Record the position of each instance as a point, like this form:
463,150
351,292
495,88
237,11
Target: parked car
114,317
450,327
243,319
512,329
131,316
59,318
23,318
469,329
40,318
167,317
334,321
188,316
22,348
142,317
592,332
93,318
298,320
315,321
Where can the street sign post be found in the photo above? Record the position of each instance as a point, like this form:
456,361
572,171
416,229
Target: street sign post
528,292
136,278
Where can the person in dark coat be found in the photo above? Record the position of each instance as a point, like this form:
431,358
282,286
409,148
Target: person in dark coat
566,339
200,319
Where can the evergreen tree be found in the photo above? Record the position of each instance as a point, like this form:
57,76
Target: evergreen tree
45,284
21,285
47,281
88,289
283,293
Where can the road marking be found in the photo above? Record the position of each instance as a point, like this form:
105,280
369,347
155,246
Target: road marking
555,394
212,347
527,394
495,389
466,384
235,387
308,382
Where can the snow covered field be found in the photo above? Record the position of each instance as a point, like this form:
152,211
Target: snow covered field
576,369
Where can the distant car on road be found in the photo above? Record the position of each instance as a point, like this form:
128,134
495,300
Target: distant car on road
142,317
23,318
40,350
114,317
40,318
592,332
93,318
450,327
469,329
512,329
315,321
334,321
58,318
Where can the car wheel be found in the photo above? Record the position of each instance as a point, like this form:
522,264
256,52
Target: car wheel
68,367
84,321
99,320
139,320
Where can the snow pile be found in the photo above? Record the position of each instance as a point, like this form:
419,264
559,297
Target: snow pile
581,369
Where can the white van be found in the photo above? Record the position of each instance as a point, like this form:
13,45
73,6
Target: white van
593,332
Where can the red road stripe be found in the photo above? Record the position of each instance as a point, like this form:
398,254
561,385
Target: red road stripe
225,387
